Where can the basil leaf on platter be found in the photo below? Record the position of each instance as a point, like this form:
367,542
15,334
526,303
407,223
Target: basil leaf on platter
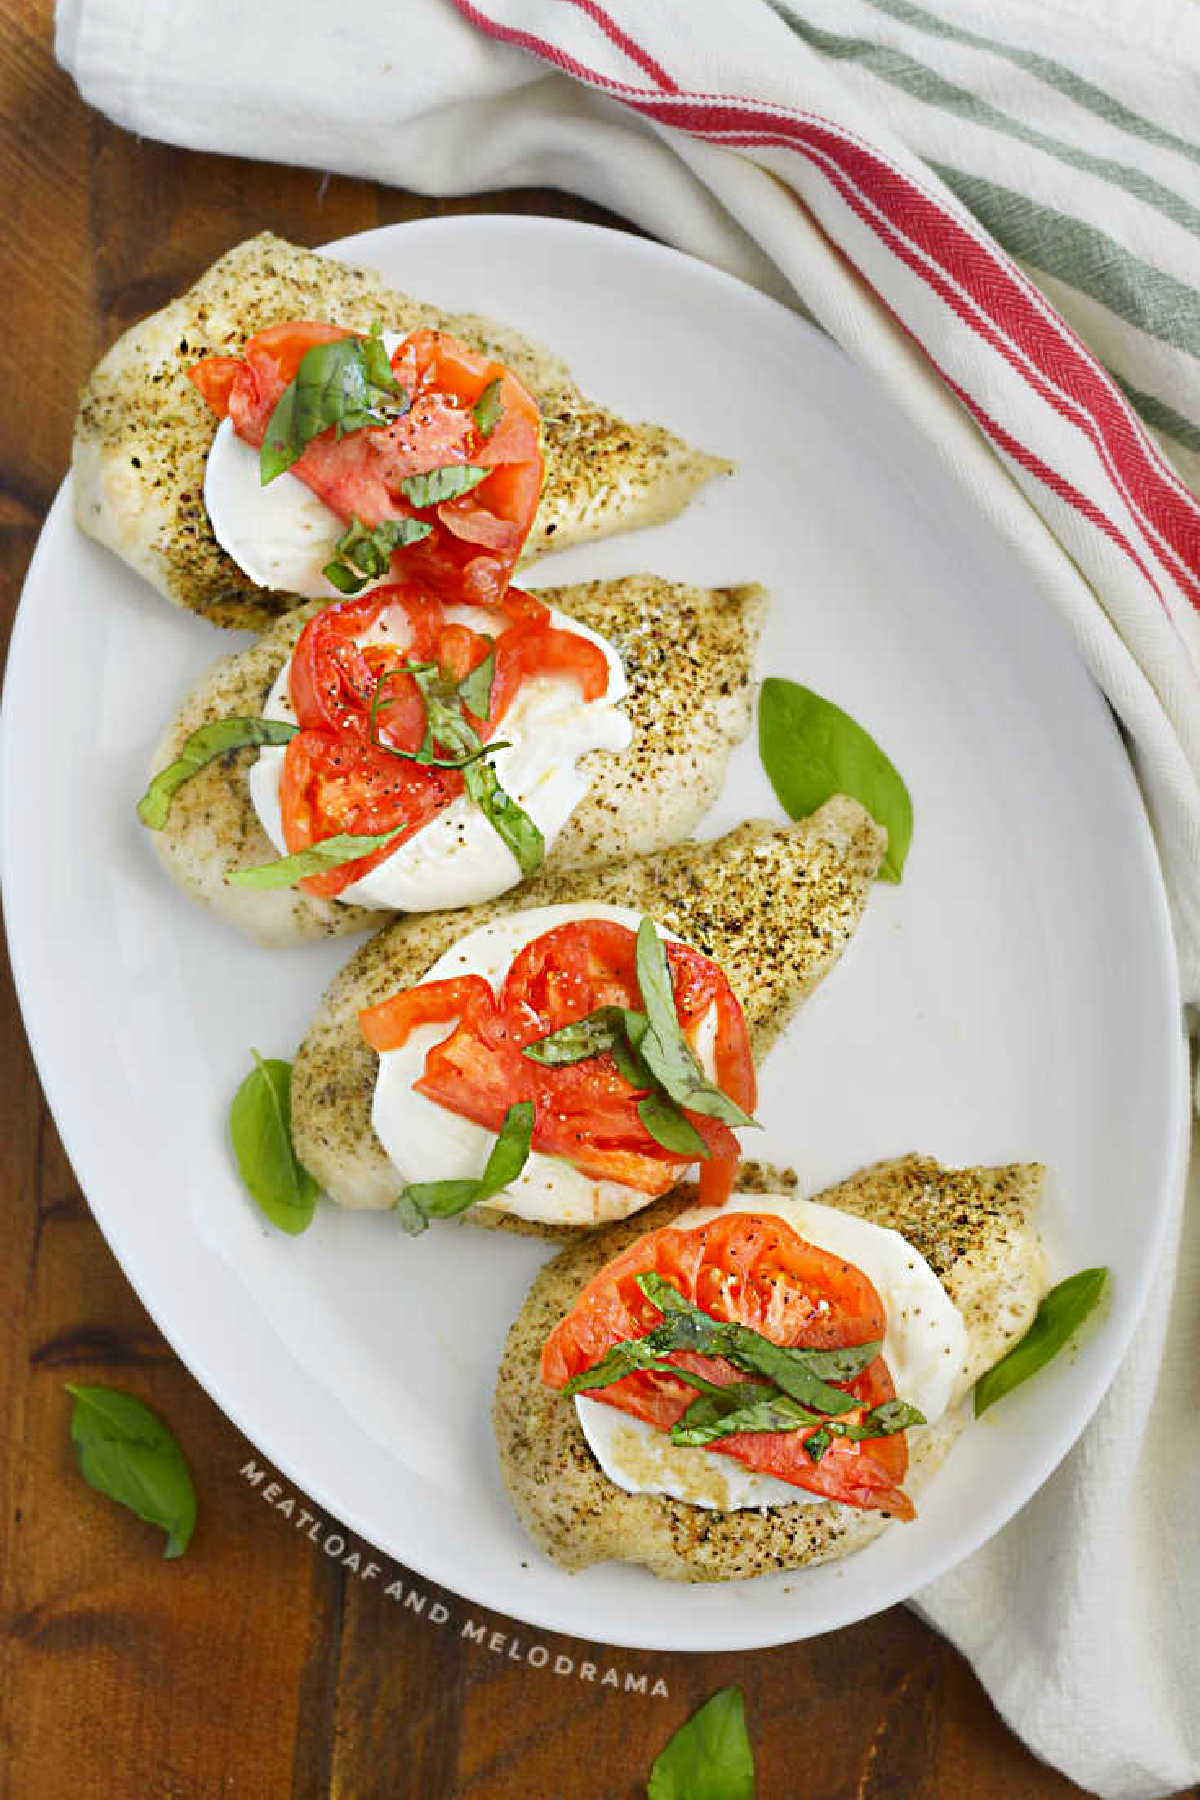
709,1757
330,853
811,750
446,483
341,383
260,1124
127,1453
370,552
1058,1318
488,410
425,1200
202,747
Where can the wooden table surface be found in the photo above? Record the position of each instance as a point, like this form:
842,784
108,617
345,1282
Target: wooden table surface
264,1663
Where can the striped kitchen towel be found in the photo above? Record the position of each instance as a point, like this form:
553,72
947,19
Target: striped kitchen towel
996,208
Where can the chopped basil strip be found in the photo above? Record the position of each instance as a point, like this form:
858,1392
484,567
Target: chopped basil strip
347,382
422,1201
260,1124
446,483
794,1372
475,690
1059,1317
669,1127
663,1046
488,410
706,1421
510,821
585,1037
709,1758
789,1368
127,1453
443,722
330,853
811,750
370,552
202,747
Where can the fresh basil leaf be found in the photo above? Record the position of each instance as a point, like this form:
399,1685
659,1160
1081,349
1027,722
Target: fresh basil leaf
340,383
260,1125
475,691
817,1443
422,1201
126,1452
510,821
812,750
488,411
202,747
589,1036
664,1048
1058,1318
330,853
886,1420
667,1125
446,483
370,552
709,1758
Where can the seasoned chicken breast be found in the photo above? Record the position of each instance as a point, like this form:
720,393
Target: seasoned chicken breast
143,433
977,1230
775,906
688,713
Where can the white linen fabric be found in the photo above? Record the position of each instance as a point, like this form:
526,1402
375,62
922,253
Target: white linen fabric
996,208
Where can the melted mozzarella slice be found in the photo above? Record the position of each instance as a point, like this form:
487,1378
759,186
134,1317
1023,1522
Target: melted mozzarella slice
458,858
924,1347
280,535
427,1142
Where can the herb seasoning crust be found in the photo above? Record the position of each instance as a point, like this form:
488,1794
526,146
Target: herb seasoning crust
143,433
975,1227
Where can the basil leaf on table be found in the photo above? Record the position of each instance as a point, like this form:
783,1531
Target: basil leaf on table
347,382
330,853
202,747
488,410
811,750
364,555
260,1124
1058,1318
127,1453
709,1757
446,483
425,1200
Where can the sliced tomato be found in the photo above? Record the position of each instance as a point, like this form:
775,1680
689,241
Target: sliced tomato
755,1269
585,1111
477,536
339,776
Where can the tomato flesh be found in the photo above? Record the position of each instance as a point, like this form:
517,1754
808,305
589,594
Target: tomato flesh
476,537
584,1111
755,1269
